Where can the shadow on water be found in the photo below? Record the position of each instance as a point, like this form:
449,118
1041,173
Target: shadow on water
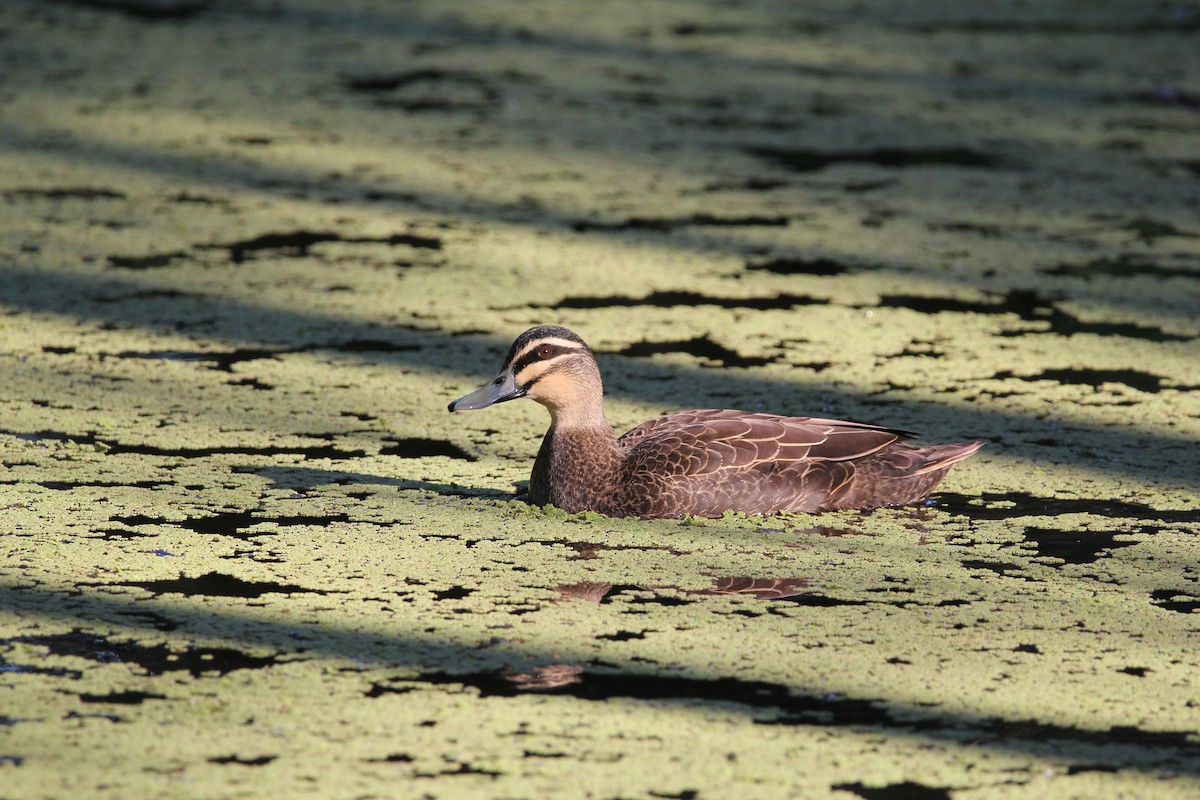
1127,747
1012,505
304,479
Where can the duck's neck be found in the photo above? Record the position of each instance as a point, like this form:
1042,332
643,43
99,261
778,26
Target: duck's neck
579,463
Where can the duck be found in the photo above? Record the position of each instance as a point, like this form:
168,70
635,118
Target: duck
699,462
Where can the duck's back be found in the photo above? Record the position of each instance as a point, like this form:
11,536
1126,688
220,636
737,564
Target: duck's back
707,461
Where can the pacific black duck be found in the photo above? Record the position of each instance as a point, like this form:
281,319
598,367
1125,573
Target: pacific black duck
702,462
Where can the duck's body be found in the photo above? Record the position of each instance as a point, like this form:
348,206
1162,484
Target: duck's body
702,462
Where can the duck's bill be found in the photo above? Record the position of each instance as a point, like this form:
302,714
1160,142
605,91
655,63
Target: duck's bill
503,388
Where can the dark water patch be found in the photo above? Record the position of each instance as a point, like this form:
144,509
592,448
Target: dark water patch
156,261
815,366
817,600
1172,600
666,224
706,29
117,448
67,193
387,196
253,383
1074,547
1031,307
390,82
809,160
198,199
432,89
1012,505
120,534
907,790
140,519
624,636
801,266
147,10
1151,230
252,141
126,698
153,659
455,537
298,244
979,229
214,584
1002,568
222,361
257,761
1079,769
364,346
752,184
1126,265
1133,378
233,523
864,187
96,715
643,97
72,485
609,686
674,299
417,447
463,768
701,347
720,119
153,619
652,600
937,305
1137,672
453,593
380,689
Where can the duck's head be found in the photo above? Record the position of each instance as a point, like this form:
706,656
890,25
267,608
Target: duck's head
549,364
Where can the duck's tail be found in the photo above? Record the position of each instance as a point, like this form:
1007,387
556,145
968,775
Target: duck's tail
940,457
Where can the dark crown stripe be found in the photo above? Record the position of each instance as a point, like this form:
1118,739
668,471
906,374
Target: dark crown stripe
540,332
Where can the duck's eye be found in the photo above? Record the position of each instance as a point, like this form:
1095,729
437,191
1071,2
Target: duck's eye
545,351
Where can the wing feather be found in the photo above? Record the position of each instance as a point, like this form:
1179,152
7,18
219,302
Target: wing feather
707,441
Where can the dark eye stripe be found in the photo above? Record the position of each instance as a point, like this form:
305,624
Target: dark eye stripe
532,356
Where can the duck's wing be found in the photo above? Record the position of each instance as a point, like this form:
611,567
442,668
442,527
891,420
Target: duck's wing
704,462
705,441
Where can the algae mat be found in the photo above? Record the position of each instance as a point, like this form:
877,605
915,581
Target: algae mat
251,249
